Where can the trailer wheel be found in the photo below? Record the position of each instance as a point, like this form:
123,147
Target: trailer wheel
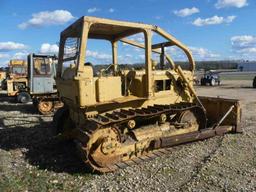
254,82
45,107
23,97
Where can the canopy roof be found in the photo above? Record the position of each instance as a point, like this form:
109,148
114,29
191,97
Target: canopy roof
114,30
107,29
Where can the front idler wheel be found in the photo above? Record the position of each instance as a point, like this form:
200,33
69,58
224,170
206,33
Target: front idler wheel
193,118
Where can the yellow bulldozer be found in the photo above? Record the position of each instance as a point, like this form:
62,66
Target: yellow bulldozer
17,78
123,117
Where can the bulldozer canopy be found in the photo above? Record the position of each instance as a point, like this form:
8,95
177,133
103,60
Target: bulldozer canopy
106,29
74,38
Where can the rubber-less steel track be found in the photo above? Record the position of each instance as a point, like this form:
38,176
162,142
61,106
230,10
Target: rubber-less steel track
199,135
115,119
123,115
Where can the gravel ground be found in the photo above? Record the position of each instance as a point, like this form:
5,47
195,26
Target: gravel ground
31,160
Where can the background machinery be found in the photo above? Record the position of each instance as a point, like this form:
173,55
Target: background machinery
210,78
41,84
124,117
17,77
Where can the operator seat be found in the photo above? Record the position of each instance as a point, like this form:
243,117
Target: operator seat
69,73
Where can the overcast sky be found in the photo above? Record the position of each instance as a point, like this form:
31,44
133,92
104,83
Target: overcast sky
213,29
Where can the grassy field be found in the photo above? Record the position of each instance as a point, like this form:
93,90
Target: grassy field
237,76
